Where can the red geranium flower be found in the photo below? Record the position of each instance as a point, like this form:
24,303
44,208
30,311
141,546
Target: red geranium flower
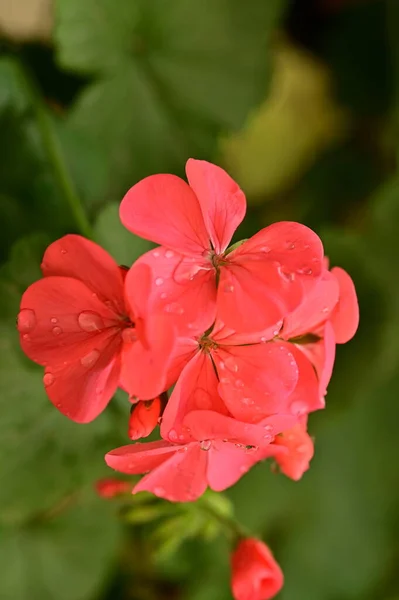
92,330
258,282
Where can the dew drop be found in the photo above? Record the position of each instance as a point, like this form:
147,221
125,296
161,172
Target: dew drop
90,359
302,449
48,379
265,249
56,330
325,309
267,437
205,445
129,335
174,308
268,428
169,254
247,401
231,364
159,491
54,320
164,295
263,339
221,365
173,435
26,337
63,251
243,469
26,320
159,281
159,421
90,321
239,383
156,254
305,271
298,408
228,288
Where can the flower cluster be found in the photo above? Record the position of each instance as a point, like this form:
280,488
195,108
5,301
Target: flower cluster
246,334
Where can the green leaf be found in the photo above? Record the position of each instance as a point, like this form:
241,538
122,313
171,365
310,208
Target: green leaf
66,556
171,76
125,247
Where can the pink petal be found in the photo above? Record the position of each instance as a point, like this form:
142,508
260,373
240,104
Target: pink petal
140,458
316,307
300,450
183,288
222,202
60,319
295,247
255,380
196,389
75,256
138,286
345,317
164,209
145,362
182,478
229,462
82,388
209,425
253,296
306,396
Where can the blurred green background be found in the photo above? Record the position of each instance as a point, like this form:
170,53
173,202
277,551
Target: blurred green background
299,101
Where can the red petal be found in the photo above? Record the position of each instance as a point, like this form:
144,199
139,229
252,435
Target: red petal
322,356
195,389
253,296
300,450
182,288
255,380
164,209
315,308
306,396
60,320
140,458
209,425
145,363
222,202
295,247
75,256
228,463
82,388
182,478
345,317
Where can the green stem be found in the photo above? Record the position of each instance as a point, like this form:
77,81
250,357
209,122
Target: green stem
54,153
230,523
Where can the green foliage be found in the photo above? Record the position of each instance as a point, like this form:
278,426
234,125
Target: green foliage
168,76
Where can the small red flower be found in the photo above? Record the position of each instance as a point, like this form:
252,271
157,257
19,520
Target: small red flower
90,324
259,282
255,573
111,487
144,418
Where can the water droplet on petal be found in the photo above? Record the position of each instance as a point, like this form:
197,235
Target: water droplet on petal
299,408
159,421
156,254
159,281
239,383
56,330
172,435
48,379
325,309
159,491
247,401
90,321
267,437
231,364
169,254
54,320
263,339
90,359
26,320
164,295
63,251
228,288
174,308
244,469
26,337
268,428
205,444
305,271
129,335
265,249
302,449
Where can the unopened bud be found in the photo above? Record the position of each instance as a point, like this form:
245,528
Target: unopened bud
144,418
111,487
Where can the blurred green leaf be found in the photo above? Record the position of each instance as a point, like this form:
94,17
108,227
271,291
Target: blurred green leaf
172,75
65,556
124,246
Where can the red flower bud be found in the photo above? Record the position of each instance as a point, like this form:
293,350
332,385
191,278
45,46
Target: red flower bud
111,487
144,418
255,573
299,451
